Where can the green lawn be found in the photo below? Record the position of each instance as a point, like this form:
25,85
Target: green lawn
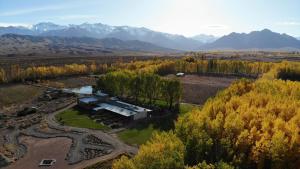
142,132
137,135
185,108
75,118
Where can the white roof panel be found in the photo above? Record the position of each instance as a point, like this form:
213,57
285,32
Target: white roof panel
115,109
88,99
131,107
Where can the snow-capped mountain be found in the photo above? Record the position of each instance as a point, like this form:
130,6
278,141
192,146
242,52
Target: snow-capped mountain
98,28
16,30
205,38
12,44
46,26
100,31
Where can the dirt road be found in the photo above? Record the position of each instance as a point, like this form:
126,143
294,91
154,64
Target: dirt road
119,146
66,145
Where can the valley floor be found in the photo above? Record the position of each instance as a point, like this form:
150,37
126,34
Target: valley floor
196,90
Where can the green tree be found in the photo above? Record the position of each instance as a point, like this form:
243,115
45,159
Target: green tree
171,91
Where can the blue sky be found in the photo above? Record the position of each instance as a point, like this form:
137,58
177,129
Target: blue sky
186,17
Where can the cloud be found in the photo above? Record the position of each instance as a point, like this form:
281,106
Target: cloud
289,23
217,26
72,17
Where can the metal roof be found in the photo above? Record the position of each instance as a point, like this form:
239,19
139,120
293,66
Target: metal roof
88,100
130,106
115,109
84,90
122,108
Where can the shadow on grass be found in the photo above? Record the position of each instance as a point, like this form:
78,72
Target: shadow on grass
78,118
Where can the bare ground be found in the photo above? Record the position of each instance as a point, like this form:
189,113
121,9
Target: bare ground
70,82
38,149
16,96
197,89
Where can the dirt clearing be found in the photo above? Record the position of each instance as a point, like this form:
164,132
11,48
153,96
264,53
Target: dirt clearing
70,82
38,149
12,96
197,89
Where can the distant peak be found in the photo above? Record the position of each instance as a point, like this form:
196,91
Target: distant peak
266,30
45,23
233,34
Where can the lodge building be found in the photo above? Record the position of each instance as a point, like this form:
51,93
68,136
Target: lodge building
102,103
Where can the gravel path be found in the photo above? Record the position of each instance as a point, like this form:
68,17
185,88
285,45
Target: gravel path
88,146
119,147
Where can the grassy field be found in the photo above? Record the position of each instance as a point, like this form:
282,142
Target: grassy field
186,107
18,94
75,118
137,135
142,132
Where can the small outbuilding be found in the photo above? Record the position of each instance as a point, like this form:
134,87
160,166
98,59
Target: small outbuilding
180,74
89,102
47,162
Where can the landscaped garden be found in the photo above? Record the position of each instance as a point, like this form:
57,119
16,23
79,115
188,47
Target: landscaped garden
76,118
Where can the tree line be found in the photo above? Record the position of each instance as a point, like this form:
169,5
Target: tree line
221,67
141,86
18,74
157,66
251,124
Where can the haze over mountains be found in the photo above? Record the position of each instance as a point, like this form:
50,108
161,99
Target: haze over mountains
125,37
205,38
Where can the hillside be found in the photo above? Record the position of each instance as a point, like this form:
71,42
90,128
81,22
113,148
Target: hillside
101,31
205,38
264,39
11,44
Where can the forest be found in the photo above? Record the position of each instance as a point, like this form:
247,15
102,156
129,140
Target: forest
251,124
158,66
144,87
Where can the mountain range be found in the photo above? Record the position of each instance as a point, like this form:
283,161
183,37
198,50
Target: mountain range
265,39
205,38
13,44
146,39
101,31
